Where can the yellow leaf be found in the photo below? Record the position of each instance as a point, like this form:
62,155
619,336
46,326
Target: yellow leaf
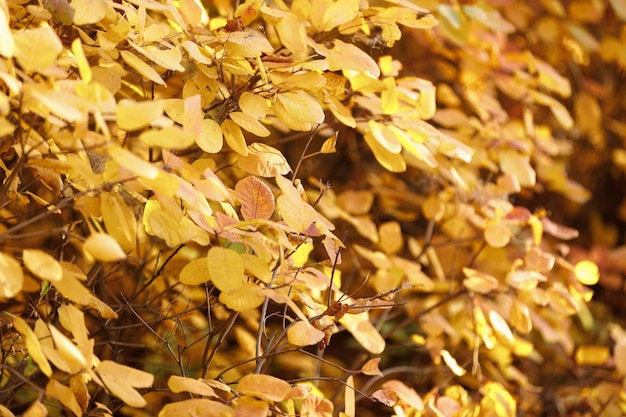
234,137
341,112
371,367
390,237
141,67
296,212
225,269
385,136
479,282
195,272
83,65
264,160
119,220
349,398
329,145
301,106
257,199
11,276
133,115
587,272
42,265
364,332
70,353
168,58
524,280
389,96
452,363
195,386
72,289
104,248
266,387
244,298
562,302
132,163
211,139
36,49
512,162
7,46
89,11
249,123
121,381
497,233
520,317
36,409
302,333
171,137
253,104
500,326
592,355
498,400
4,412
345,56
292,32
65,396
32,345
340,12
391,161
196,407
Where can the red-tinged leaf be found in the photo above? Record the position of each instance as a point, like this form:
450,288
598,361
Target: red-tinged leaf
266,387
257,199
196,407
557,230
387,397
371,367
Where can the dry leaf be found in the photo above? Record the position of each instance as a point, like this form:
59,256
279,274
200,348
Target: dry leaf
257,199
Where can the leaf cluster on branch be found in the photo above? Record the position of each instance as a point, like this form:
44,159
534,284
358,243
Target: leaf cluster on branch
302,207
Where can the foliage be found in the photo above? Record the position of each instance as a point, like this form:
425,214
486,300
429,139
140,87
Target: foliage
304,208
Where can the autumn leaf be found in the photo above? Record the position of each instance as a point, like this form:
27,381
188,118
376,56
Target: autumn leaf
257,199
266,387
122,381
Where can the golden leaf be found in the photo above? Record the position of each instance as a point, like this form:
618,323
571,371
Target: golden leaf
211,139
134,164
479,282
520,317
266,387
11,276
104,248
234,137
257,199
119,220
32,345
72,289
196,407
42,265
452,364
391,161
246,297
371,367
264,160
587,272
195,272
497,233
389,96
7,46
141,67
195,386
121,381
71,355
253,104
133,115
524,280
36,49
512,162
364,332
390,237
592,355
65,396
406,394
292,32
497,399
301,106
500,326
302,333
387,397
36,409
562,302
339,12
249,123
89,11
225,269
171,137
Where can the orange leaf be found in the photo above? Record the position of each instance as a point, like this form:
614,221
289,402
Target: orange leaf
266,387
257,199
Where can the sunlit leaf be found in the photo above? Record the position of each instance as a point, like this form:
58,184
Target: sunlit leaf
104,248
364,332
524,280
498,399
195,272
196,407
497,233
225,269
592,355
141,67
500,326
234,137
64,394
42,265
211,139
520,317
479,282
249,123
266,387
452,363
302,333
7,46
121,381
32,345
195,386
89,11
244,298
133,115
67,350
587,272
387,397
36,49
11,276
257,199
406,394
371,367
119,220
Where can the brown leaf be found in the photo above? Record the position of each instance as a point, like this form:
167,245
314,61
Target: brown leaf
257,199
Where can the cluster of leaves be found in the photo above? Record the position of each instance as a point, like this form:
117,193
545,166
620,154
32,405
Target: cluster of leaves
162,246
